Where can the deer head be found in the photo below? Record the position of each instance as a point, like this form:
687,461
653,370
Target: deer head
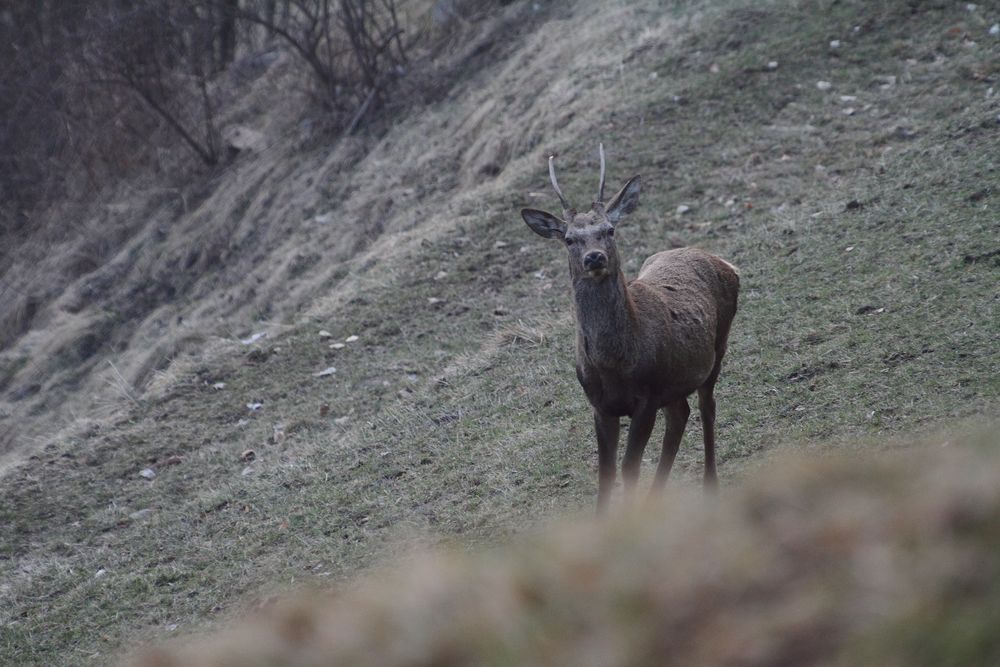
589,236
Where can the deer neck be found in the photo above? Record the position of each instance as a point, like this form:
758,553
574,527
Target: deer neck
605,316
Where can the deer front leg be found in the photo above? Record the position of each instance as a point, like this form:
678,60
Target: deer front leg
676,416
638,435
607,427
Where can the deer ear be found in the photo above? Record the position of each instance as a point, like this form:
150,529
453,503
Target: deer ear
544,224
626,201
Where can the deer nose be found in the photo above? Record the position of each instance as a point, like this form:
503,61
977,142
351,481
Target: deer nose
595,259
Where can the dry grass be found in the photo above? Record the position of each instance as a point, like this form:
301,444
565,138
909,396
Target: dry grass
263,238
860,560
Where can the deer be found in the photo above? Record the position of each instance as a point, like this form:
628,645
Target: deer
644,345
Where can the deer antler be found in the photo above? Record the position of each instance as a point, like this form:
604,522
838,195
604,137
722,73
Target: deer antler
600,189
555,184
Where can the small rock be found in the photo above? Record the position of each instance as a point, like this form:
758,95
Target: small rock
100,573
248,455
325,334
441,275
140,514
336,346
853,205
240,138
772,65
219,385
834,43
341,420
848,98
171,627
849,111
995,29
971,6
714,68
500,244
247,471
253,338
147,473
682,209
350,339
433,300
254,407
329,370
824,85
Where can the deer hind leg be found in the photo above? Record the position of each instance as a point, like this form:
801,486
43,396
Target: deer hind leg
639,431
607,427
706,405
676,416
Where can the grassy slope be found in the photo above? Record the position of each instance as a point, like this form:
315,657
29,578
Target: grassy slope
464,420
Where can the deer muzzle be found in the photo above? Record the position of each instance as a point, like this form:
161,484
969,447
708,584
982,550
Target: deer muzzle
595,260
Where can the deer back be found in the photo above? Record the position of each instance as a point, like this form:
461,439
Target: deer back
686,300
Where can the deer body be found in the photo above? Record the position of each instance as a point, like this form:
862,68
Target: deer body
646,345
624,359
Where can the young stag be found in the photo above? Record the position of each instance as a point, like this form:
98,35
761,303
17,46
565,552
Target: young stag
644,345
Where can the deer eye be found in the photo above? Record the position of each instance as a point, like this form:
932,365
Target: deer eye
611,232
568,240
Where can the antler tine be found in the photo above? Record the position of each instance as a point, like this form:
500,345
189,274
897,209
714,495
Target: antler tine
555,184
600,189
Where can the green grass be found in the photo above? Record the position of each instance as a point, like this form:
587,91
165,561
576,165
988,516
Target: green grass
855,323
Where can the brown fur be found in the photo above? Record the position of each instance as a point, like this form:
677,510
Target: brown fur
645,345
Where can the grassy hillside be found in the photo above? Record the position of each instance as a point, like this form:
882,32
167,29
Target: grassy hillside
863,215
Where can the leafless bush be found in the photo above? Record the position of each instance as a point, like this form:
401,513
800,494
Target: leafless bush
355,49
86,88
164,53
93,90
